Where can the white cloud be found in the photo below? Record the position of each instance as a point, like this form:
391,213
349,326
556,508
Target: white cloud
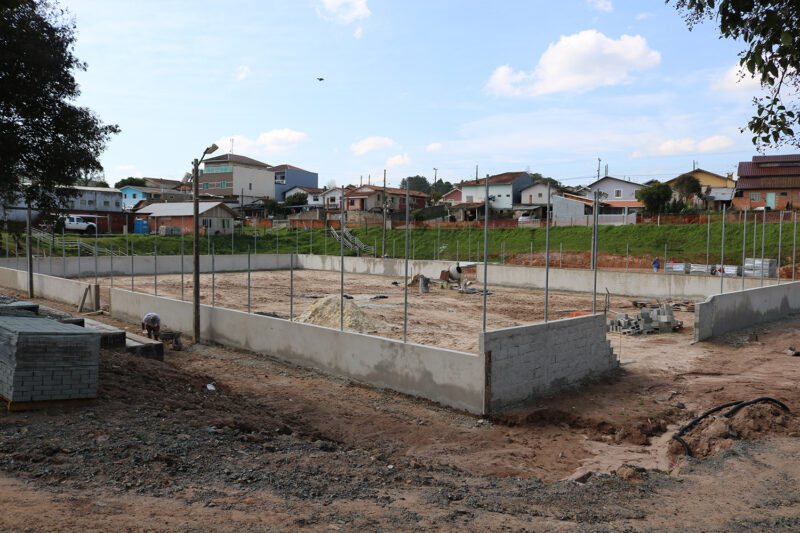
372,143
398,161
643,15
601,5
688,145
242,72
578,62
358,33
270,141
343,11
735,79
433,147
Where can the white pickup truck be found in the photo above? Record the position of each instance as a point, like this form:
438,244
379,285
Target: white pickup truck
76,223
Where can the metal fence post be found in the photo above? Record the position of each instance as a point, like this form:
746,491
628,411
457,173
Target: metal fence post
155,266
79,258
405,276
561,255
50,272
780,238
181,266
594,252
341,260
627,255
248,279
708,240
291,284
485,243
763,238
311,240
547,256
233,239
744,244
95,255
213,277
63,253
794,244
133,289
111,260
722,255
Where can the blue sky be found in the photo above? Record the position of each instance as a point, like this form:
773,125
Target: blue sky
409,86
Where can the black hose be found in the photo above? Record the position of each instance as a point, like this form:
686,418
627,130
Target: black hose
687,427
757,400
683,443
735,408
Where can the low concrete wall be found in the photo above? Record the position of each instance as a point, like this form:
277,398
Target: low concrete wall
52,288
452,378
638,284
374,265
722,313
529,361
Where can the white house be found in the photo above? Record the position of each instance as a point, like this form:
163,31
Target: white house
331,198
238,176
314,194
536,194
506,189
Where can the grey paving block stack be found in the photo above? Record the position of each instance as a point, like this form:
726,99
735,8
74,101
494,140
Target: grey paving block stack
42,359
676,268
695,268
754,266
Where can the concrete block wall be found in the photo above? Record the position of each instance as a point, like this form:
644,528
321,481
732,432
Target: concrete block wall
50,361
636,284
540,359
731,311
51,287
449,377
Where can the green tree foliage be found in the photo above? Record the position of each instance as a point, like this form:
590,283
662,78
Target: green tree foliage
687,185
46,141
416,183
769,31
655,197
298,198
134,182
442,187
435,197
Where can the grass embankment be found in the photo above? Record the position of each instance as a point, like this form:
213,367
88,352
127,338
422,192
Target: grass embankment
684,243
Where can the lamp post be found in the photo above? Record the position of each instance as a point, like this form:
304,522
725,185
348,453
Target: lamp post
196,241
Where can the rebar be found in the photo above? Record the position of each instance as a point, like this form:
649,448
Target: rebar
155,266
405,276
744,244
181,266
722,255
780,237
291,284
547,256
248,280
763,238
213,277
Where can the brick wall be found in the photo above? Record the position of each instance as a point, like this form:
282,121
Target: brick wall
540,359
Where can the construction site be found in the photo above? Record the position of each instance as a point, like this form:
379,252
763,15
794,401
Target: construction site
387,413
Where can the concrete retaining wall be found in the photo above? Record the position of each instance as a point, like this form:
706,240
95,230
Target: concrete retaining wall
445,376
722,313
52,288
638,284
540,359
372,265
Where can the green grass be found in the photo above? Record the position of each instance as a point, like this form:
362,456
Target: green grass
684,243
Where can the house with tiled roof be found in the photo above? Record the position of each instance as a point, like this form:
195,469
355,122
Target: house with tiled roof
371,198
505,189
233,176
314,194
768,181
288,176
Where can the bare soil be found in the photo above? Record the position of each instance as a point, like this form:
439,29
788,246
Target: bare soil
444,317
280,447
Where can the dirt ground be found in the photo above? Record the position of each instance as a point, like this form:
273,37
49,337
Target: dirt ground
279,447
443,318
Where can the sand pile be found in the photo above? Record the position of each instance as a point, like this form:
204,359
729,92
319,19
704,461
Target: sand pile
325,312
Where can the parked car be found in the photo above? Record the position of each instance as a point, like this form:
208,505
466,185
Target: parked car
526,219
78,224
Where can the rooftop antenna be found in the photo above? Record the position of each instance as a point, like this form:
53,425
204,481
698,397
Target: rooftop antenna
606,169
598,167
694,164
361,180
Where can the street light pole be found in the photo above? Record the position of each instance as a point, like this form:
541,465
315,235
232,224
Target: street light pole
196,242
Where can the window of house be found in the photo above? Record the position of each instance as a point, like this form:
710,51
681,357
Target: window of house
205,185
315,198
106,202
223,184
117,203
617,193
124,195
352,202
755,196
250,187
205,222
784,194
469,198
508,195
540,195
83,202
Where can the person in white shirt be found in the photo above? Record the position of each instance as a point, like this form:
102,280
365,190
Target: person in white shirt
151,323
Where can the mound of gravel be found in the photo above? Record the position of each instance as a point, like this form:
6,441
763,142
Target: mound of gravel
325,312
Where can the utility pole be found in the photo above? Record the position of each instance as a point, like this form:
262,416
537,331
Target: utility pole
29,252
598,167
385,207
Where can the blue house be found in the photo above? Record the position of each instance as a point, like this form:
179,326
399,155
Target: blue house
133,194
287,177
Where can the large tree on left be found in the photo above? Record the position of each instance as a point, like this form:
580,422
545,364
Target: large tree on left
46,141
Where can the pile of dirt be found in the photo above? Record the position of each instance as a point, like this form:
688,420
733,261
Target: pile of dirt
749,423
326,312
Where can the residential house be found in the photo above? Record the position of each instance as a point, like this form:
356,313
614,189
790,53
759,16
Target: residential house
101,205
237,177
371,198
571,208
505,189
162,183
618,195
536,194
331,198
768,181
453,196
712,189
706,179
288,176
216,218
133,194
314,194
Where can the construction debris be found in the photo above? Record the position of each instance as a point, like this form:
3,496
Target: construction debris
659,320
686,306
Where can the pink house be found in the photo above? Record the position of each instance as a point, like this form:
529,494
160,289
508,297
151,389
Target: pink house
452,197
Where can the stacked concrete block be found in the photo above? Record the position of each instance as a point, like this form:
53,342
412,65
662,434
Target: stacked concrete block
541,359
676,268
41,359
658,320
753,267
